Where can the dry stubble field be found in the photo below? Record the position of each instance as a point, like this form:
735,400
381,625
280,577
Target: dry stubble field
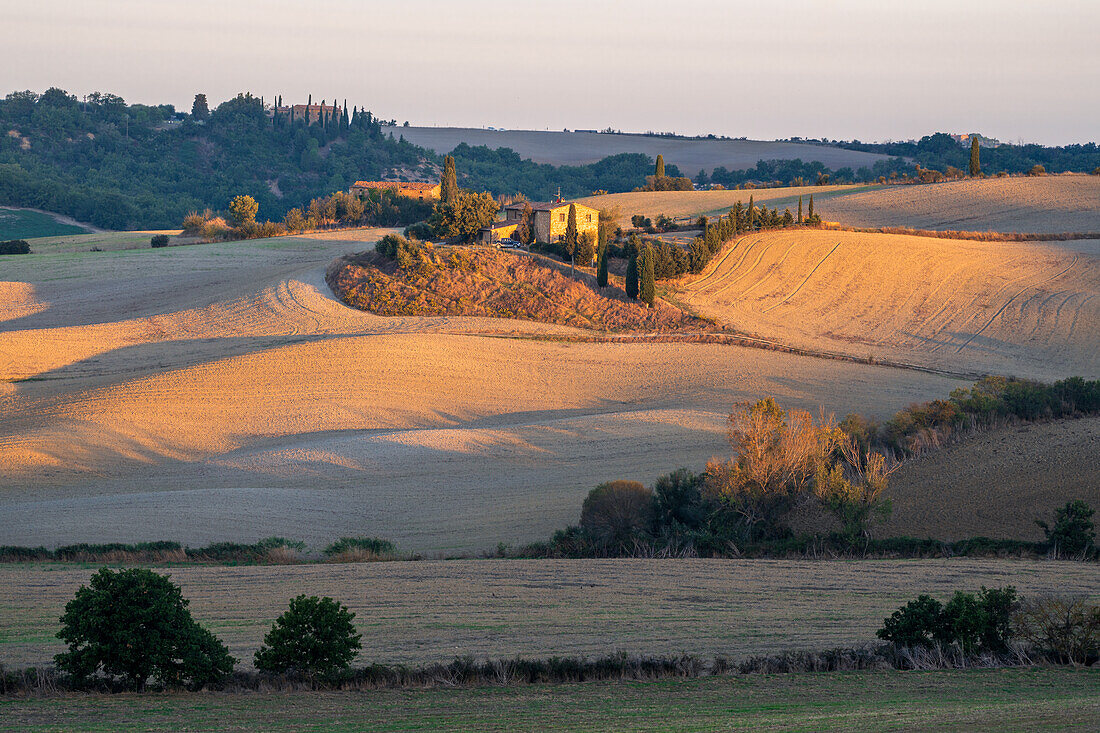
219,392
1024,308
428,611
1046,204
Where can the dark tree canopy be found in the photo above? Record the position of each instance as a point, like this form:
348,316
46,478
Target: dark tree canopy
315,637
133,625
199,108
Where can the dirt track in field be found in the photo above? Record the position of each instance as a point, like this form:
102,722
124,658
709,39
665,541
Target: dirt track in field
419,612
1021,308
1047,204
219,392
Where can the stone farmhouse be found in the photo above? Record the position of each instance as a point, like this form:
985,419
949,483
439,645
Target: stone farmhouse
419,191
548,221
311,113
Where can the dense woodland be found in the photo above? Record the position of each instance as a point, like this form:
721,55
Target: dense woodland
940,151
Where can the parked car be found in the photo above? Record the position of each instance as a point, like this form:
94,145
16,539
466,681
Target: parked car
510,244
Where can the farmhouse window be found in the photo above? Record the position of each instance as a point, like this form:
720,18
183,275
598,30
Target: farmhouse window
561,217
588,218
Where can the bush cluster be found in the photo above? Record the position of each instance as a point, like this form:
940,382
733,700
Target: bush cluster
158,240
990,401
15,247
785,466
976,622
1064,628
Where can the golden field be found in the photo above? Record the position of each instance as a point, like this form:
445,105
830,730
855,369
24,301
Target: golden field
220,391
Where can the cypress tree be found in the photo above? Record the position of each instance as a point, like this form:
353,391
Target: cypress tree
448,184
659,169
811,206
523,231
752,214
345,123
601,269
975,160
799,209
632,276
648,290
570,241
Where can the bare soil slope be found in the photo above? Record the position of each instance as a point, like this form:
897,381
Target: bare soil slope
221,392
998,483
576,148
1048,204
1026,309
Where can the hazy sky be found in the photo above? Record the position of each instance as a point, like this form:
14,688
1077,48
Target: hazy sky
868,69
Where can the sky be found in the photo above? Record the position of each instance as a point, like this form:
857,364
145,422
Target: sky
872,70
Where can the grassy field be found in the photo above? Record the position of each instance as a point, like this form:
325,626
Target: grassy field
27,224
976,700
432,611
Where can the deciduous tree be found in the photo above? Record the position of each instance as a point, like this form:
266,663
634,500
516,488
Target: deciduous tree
243,210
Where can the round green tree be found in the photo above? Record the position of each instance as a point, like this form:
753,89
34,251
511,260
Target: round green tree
133,625
315,637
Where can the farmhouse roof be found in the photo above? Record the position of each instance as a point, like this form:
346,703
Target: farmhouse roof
394,185
543,205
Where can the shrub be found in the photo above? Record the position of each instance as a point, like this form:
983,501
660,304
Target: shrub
917,623
677,500
315,637
981,622
1072,532
360,548
1066,627
15,247
1037,170
194,222
616,511
420,230
976,623
134,625
159,240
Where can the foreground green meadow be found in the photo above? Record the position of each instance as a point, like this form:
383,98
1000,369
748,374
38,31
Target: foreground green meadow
1015,699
